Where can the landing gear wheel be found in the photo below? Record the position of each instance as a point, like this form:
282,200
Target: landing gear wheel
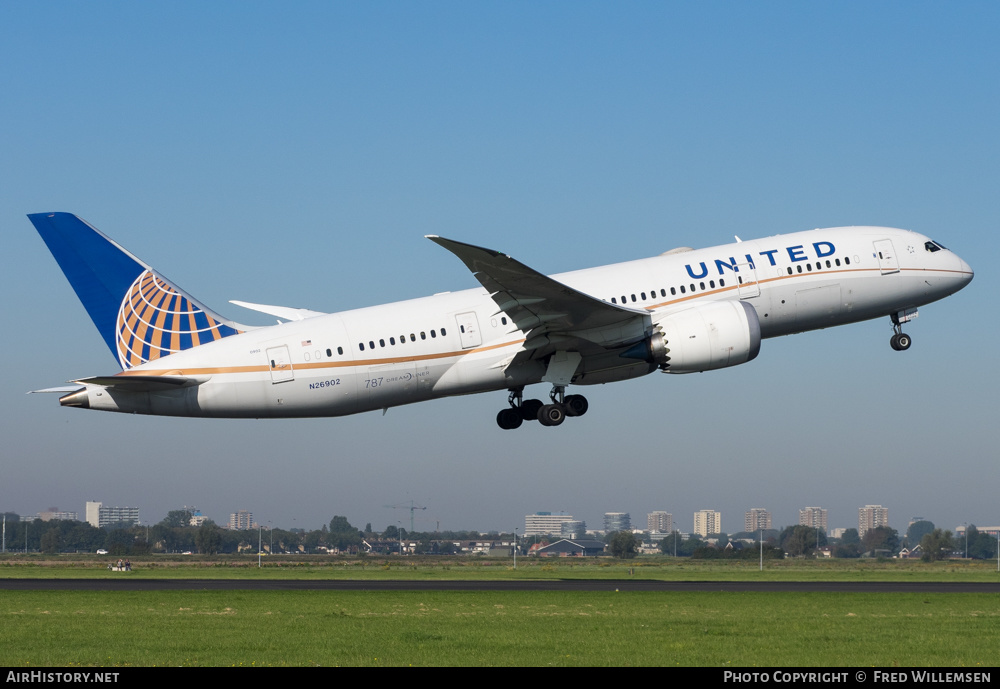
509,419
576,405
900,342
551,414
529,409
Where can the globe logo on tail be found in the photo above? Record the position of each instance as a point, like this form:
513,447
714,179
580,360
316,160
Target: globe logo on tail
156,319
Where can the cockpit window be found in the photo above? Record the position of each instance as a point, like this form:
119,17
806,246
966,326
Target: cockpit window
933,246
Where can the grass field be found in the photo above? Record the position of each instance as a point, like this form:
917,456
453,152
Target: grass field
465,568
209,628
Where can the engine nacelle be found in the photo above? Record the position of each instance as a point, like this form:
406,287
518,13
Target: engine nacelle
702,338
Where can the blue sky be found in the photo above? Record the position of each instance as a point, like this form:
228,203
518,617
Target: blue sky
296,154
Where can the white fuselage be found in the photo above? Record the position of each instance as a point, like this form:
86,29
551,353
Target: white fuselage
459,342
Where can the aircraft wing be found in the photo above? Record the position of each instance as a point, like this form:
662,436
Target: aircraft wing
546,310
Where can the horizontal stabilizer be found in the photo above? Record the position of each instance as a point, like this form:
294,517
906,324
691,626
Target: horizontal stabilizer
61,389
142,383
287,312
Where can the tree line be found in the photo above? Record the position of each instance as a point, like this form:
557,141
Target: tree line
174,534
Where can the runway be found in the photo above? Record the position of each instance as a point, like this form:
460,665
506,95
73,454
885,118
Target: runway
583,585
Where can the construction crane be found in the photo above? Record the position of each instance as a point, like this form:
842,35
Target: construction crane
412,507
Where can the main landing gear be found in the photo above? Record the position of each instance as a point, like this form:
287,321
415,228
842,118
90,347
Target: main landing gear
553,414
900,341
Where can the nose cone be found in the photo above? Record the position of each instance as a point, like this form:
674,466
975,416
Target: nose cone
965,272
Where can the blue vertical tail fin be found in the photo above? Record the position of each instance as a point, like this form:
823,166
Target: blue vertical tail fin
141,315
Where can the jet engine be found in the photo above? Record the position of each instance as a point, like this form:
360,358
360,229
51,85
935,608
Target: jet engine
702,338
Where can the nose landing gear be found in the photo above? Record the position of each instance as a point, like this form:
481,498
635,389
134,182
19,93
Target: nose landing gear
900,341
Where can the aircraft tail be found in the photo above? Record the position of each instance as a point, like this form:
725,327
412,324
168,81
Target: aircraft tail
141,315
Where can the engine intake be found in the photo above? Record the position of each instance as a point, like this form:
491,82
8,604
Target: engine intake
702,338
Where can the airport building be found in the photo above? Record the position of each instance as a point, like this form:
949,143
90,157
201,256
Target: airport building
756,518
545,523
707,522
814,517
871,517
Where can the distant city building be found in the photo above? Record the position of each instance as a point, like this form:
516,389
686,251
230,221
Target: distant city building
197,518
573,529
814,517
93,512
871,517
54,513
756,518
617,521
660,522
707,522
241,520
98,515
991,530
545,523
